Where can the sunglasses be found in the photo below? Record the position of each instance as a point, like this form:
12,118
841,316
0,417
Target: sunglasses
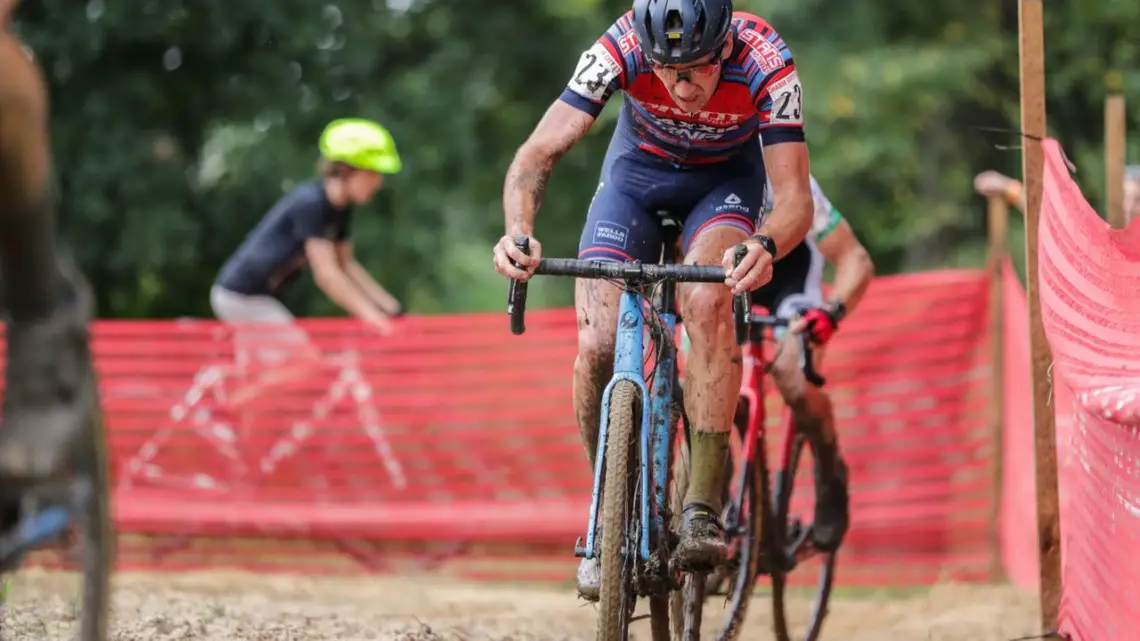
672,74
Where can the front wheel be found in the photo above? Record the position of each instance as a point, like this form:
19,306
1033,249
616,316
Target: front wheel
618,597
791,540
65,523
98,552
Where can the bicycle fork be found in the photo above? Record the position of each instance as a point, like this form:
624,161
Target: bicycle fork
655,430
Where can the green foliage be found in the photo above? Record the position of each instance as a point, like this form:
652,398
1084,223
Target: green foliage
177,124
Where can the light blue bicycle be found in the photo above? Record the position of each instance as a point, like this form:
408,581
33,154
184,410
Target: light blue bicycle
631,527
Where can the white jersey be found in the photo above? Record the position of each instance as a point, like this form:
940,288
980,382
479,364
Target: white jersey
826,217
798,289
801,287
807,286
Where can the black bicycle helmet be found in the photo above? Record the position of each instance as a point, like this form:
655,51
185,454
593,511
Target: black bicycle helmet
675,32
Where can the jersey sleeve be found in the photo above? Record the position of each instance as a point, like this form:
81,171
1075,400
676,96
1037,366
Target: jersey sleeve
602,69
308,215
776,90
826,217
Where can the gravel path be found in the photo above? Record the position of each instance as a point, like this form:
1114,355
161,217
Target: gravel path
219,606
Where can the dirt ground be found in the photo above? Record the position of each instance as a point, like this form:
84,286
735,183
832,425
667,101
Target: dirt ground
219,606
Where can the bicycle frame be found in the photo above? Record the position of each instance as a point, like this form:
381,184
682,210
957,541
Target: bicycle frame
752,390
656,432
655,438
753,439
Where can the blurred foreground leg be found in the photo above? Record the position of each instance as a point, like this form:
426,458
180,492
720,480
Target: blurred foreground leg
50,388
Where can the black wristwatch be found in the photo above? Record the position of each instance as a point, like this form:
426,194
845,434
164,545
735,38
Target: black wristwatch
767,243
838,310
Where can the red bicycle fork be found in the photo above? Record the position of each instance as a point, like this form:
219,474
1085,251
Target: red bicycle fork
798,546
752,391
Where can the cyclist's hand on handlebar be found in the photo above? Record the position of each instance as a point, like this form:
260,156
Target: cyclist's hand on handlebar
753,272
820,324
507,251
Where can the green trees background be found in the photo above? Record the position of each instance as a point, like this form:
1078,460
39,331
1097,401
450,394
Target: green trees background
178,123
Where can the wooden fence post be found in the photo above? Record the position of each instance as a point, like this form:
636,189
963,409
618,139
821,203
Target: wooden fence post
1114,152
997,214
1031,48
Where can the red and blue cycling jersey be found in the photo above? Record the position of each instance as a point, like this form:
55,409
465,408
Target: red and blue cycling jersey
759,92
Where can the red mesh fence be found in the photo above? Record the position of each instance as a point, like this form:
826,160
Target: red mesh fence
1018,514
453,443
1090,300
908,376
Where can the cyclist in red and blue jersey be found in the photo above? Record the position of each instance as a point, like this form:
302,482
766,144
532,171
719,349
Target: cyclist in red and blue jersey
701,82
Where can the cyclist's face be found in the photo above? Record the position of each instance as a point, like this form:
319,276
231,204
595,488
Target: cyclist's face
691,85
362,185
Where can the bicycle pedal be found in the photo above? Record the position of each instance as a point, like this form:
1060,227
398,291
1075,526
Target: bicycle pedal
800,543
795,529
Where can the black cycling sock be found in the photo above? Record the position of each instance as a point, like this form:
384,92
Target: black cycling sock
29,268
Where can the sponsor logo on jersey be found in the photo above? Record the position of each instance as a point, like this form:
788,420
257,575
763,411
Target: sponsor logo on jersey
627,43
692,130
706,117
611,235
732,202
762,51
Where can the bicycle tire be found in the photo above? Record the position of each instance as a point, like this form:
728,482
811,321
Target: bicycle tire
97,559
617,597
87,546
744,567
659,617
86,485
785,484
685,606
750,550
692,604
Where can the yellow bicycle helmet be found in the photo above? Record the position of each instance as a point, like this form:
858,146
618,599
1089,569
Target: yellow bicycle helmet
362,144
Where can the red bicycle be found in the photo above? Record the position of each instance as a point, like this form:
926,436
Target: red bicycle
765,536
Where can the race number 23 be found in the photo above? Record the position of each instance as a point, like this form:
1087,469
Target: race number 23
787,100
791,106
596,69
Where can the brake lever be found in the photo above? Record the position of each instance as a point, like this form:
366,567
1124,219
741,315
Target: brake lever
741,305
516,294
807,363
